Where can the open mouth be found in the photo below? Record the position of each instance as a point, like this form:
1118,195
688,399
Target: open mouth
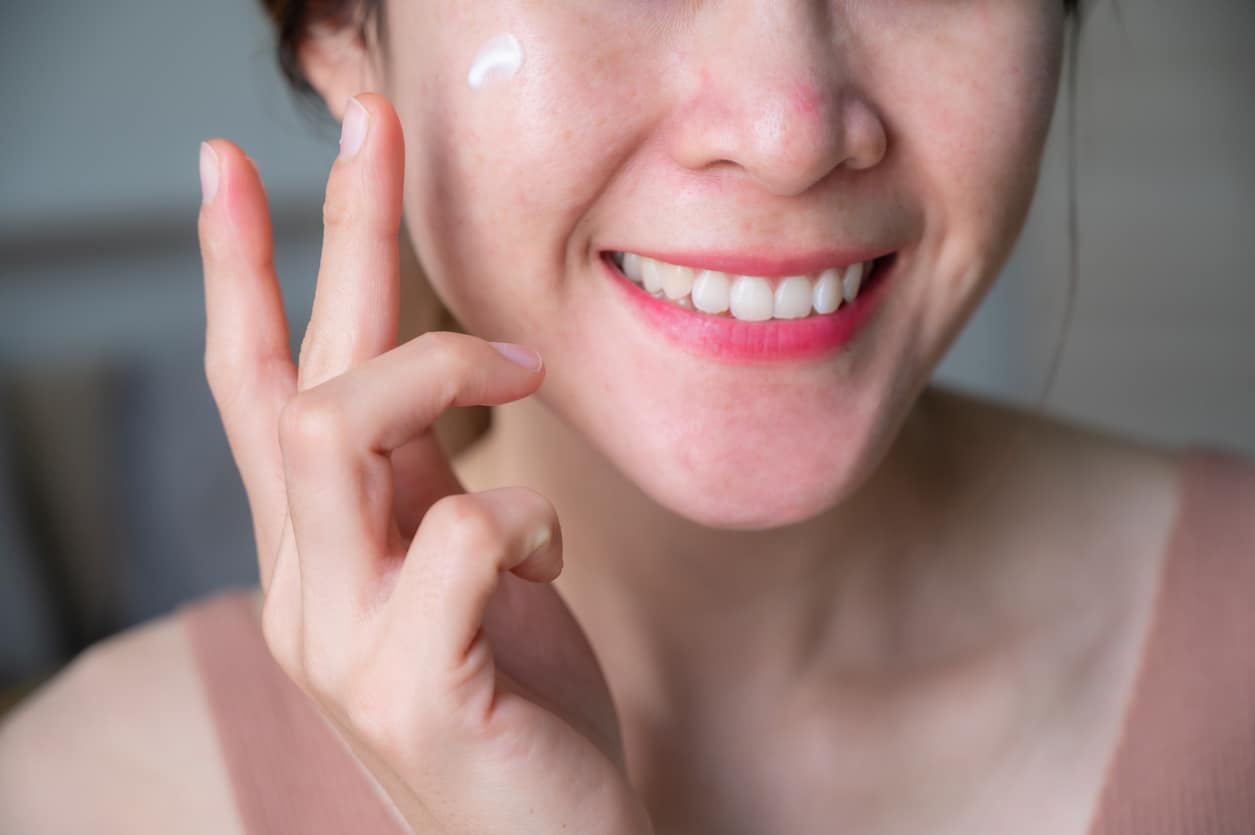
750,298
745,318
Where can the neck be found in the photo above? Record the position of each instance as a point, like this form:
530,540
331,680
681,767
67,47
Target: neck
674,607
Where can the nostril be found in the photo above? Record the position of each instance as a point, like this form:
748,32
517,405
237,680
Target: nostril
867,141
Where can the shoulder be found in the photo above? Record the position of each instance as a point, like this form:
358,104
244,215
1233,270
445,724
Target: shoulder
120,741
1095,481
1199,491
1122,505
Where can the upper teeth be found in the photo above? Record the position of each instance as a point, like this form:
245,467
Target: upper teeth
746,297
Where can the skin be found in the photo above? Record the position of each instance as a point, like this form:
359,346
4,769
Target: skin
721,651
700,163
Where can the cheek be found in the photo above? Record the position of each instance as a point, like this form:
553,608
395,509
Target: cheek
970,108
502,174
976,121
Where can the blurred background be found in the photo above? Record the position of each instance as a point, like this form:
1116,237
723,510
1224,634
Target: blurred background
118,495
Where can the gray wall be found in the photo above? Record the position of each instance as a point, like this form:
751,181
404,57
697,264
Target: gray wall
1162,341
105,106
118,498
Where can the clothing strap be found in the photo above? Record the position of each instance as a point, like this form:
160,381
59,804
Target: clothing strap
289,769
1186,761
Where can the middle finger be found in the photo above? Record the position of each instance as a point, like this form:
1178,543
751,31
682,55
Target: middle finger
355,310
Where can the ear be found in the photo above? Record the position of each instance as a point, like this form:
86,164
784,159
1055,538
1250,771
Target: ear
339,64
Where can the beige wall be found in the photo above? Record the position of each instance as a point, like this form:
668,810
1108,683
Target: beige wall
1163,342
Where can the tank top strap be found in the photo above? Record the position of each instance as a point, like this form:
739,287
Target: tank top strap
1186,760
289,770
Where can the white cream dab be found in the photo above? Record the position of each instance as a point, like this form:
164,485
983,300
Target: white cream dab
498,59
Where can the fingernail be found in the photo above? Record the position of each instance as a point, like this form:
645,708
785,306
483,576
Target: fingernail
518,355
208,173
353,131
538,541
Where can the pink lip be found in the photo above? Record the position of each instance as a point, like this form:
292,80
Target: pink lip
776,340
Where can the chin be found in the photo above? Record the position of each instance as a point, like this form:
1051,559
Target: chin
753,470
765,501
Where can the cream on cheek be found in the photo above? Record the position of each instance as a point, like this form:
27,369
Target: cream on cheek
499,59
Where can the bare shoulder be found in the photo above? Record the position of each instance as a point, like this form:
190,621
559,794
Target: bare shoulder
1090,484
120,741
1047,445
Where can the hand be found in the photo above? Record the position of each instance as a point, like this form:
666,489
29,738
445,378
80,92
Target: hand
418,617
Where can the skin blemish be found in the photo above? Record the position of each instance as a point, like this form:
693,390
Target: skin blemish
805,98
497,60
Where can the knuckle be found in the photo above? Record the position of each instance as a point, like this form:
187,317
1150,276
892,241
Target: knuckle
309,421
436,340
222,375
449,355
446,349
534,499
337,212
242,381
323,672
468,524
278,634
229,379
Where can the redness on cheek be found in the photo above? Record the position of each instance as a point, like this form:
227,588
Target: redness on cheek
499,59
805,98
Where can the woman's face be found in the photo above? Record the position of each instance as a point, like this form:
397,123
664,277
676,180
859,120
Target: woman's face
766,138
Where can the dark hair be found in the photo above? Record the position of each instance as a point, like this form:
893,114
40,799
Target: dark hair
294,19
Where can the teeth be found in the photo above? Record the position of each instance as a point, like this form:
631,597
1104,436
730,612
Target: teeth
746,297
631,265
711,292
677,282
651,274
793,298
752,299
828,291
851,282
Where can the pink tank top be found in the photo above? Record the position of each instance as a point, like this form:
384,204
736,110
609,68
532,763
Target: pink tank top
1185,764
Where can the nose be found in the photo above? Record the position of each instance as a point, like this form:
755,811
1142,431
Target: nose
773,97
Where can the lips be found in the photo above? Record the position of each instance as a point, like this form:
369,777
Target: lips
752,329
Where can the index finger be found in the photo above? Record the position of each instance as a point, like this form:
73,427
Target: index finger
248,363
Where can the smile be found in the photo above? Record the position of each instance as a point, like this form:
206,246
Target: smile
715,306
748,298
